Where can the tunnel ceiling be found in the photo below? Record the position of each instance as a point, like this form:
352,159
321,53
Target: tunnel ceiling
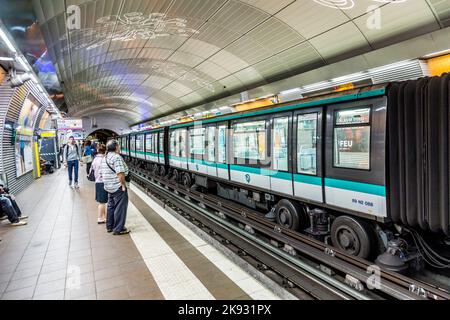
141,59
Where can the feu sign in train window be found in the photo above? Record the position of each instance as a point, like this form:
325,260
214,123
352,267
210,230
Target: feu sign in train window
352,138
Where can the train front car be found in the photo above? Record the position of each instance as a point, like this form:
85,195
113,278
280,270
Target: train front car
332,166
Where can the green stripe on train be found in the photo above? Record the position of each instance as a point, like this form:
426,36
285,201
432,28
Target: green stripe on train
356,186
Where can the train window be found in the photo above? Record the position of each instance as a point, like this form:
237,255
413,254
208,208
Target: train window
197,141
249,140
307,143
132,143
148,142
221,145
352,139
154,142
211,143
139,144
177,143
280,143
161,143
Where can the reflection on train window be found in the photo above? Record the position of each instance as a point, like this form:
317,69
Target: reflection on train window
211,143
132,144
249,140
280,144
149,143
221,144
197,141
352,139
139,144
351,147
173,143
353,116
161,143
307,143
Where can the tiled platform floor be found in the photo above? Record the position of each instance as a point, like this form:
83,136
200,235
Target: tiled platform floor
64,254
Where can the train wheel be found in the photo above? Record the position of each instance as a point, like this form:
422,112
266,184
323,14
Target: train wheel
287,214
175,175
352,236
187,180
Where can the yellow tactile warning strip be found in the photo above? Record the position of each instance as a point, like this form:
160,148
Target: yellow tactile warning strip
217,283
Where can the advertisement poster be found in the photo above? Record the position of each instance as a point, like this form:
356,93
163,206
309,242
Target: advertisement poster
24,135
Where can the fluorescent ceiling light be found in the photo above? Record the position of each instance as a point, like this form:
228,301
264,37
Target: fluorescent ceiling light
6,59
438,53
7,41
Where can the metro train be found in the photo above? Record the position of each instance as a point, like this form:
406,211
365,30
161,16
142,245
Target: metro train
365,168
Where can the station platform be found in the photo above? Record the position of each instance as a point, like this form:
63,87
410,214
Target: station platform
64,254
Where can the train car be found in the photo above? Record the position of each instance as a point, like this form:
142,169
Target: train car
333,166
148,149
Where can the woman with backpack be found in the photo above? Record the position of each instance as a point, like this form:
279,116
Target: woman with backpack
87,155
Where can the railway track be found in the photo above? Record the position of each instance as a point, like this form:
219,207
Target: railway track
312,269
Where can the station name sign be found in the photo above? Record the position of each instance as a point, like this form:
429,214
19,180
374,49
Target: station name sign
70,124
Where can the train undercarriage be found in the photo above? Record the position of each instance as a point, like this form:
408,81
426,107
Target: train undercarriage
390,246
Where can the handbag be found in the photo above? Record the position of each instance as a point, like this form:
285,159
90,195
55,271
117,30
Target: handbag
91,176
86,159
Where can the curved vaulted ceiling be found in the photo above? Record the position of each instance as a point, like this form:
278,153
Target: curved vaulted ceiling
145,58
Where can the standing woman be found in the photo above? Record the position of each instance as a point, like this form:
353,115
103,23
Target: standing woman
87,155
101,196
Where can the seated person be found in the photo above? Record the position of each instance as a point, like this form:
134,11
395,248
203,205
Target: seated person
8,206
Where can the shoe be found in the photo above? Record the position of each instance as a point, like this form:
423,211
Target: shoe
124,231
18,223
108,230
76,186
23,217
101,222
3,217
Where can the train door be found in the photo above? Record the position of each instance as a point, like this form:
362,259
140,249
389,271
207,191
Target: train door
307,154
133,146
211,146
159,140
355,158
197,149
223,157
140,153
250,152
281,169
148,146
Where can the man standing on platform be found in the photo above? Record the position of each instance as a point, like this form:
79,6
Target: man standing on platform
72,156
114,173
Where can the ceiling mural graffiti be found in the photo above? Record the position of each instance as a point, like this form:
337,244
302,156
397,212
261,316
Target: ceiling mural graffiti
349,4
127,27
157,57
175,71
